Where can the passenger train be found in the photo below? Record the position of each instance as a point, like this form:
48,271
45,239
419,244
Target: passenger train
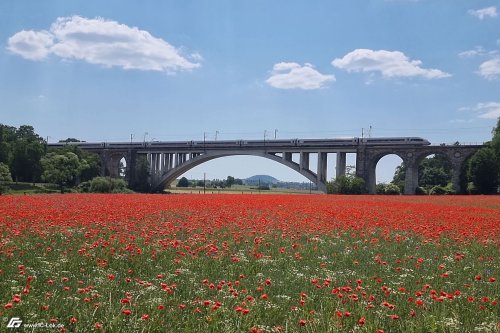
228,144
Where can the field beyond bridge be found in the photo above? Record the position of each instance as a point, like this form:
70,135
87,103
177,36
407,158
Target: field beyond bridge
250,263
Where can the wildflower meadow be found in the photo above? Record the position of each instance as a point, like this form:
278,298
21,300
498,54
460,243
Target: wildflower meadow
249,263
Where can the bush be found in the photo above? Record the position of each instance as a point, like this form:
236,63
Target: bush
392,189
3,189
420,191
346,185
442,190
104,185
471,188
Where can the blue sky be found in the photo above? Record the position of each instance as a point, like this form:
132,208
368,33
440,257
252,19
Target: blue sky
103,70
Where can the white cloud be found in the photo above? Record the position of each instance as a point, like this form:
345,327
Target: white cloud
391,64
33,45
490,69
477,51
102,42
290,75
484,12
487,110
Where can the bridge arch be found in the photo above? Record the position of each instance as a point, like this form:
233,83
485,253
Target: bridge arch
160,179
387,162
371,167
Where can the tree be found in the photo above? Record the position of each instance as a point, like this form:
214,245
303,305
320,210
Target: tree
483,168
91,163
141,175
27,150
183,182
60,169
230,181
4,177
7,139
432,171
483,171
70,140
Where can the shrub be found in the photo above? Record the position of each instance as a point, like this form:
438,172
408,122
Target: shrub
104,185
346,185
392,189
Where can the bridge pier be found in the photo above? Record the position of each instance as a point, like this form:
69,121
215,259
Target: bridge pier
322,168
304,161
341,164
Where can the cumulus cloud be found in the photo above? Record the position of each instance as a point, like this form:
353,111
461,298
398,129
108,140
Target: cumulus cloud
391,64
487,110
484,12
33,45
490,69
101,42
290,75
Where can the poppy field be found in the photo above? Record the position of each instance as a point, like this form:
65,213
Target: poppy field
249,263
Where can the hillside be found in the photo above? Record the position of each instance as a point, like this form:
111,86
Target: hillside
264,179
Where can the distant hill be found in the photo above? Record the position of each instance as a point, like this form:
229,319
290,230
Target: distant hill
264,179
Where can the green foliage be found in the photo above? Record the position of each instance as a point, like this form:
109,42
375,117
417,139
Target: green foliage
390,189
5,177
140,181
420,191
183,182
5,173
442,190
230,181
432,171
104,185
483,170
21,149
90,162
346,185
61,169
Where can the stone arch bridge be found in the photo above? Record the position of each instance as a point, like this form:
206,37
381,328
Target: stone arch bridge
169,160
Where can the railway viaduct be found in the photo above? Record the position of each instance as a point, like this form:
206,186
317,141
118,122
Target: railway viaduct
169,160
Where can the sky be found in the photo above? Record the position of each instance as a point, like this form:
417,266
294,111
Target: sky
181,70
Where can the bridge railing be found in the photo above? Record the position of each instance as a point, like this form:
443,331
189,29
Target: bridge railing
458,143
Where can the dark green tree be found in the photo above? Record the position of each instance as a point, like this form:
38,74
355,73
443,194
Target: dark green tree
7,140
27,150
483,171
141,175
183,182
483,168
230,181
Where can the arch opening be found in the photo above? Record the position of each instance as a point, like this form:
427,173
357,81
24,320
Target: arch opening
389,175
435,173
122,167
217,169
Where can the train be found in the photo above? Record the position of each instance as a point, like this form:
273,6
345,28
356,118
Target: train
229,144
